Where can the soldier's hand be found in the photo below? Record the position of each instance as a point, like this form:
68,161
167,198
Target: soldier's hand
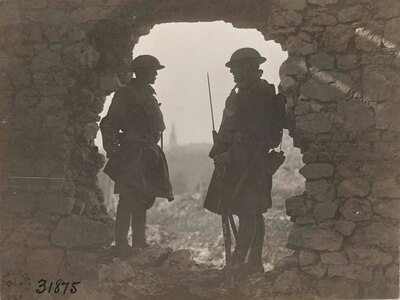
222,160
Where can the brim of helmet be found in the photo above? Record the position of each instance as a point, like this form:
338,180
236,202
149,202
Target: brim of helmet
159,67
230,63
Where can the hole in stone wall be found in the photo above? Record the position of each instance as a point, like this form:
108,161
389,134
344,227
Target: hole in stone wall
189,51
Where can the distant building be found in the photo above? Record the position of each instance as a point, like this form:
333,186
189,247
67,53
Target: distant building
173,142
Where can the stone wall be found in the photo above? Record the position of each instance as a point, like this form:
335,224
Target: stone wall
342,77
59,59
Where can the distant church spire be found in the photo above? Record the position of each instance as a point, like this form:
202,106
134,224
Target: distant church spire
172,138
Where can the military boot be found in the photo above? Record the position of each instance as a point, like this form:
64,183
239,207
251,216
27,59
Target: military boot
254,263
238,267
139,227
122,224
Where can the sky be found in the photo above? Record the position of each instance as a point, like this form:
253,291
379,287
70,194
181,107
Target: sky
188,51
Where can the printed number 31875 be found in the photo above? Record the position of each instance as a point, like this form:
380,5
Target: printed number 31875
58,285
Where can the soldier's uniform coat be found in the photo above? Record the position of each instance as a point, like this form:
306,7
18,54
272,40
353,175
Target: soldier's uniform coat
135,122
245,134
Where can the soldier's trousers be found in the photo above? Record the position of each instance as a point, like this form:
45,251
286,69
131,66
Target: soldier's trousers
250,239
132,207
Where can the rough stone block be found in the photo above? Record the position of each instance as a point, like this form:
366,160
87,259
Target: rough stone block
50,104
347,62
315,238
26,232
351,14
85,14
47,16
354,187
317,171
334,258
325,210
348,169
290,282
30,185
357,210
46,61
324,157
365,256
79,265
9,14
180,259
336,38
314,123
294,66
295,206
40,78
387,117
386,259
55,204
307,258
288,262
44,263
34,4
82,54
321,88
293,18
345,227
317,271
152,256
53,90
389,9
387,208
45,167
321,61
322,19
380,287
391,38
309,157
78,231
18,202
305,221
392,273
87,196
13,259
322,2
95,290
369,37
90,131
355,117
301,108
277,20
116,271
388,188
383,236
341,288
356,272
320,190
109,82
292,5
296,45
384,77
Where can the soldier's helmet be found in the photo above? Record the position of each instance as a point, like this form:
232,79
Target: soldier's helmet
245,54
146,61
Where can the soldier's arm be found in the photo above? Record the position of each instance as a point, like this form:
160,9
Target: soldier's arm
259,109
256,127
111,124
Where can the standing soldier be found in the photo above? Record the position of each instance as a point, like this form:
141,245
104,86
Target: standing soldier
131,132
240,183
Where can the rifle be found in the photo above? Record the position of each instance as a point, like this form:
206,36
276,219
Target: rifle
227,218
